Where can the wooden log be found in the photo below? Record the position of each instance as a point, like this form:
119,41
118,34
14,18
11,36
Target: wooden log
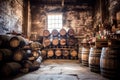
11,68
17,42
6,55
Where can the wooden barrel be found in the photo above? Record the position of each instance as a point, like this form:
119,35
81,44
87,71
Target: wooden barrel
71,32
50,53
43,54
11,68
94,59
55,41
17,42
46,33
58,52
62,32
46,42
63,41
101,43
85,56
71,41
5,55
18,55
110,62
65,53
55,33
73,53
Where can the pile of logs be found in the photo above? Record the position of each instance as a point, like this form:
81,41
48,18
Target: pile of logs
18,54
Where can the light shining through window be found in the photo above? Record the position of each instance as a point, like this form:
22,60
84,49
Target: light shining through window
54,22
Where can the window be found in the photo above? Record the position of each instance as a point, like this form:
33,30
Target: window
54,22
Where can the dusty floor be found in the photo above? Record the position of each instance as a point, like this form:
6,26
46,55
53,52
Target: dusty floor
61,70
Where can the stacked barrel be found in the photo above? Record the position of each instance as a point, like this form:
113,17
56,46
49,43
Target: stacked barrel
17,54
60,44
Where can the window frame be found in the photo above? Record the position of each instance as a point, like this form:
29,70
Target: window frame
54,22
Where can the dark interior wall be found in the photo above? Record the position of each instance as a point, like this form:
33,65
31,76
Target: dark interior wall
11,16
106,11
80,18
114,8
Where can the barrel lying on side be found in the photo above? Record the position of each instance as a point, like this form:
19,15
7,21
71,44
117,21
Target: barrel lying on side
58,52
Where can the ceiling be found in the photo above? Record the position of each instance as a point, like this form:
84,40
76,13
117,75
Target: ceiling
65,2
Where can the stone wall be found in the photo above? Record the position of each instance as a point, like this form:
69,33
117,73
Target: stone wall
11,16
80,18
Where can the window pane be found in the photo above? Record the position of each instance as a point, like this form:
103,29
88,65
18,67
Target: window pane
54,22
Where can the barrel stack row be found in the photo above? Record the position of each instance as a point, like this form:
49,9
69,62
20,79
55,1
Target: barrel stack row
60,44
103,58
18,55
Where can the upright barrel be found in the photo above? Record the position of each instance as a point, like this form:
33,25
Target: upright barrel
94,59
110,62
85,55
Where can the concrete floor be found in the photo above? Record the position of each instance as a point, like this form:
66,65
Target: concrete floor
61,70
